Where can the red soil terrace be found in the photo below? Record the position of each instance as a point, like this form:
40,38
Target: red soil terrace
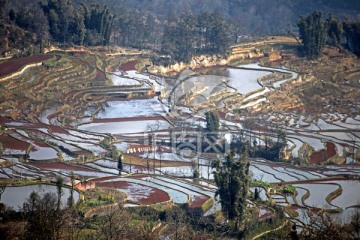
324,154
155,196
128,66
15,65
63,166
9,142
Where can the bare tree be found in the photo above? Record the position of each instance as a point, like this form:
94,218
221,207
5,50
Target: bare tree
44,220
114,223
177,220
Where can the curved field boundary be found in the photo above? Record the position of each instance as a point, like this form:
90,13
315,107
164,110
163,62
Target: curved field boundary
207,205
99,209
149,183
272,174
292,213
17,67
155,196
313,180
208,196
332,195
271,230
305,196
62,166
276,168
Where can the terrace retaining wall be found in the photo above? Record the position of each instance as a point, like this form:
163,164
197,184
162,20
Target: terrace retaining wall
20,72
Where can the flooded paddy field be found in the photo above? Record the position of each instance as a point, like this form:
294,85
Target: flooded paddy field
137,115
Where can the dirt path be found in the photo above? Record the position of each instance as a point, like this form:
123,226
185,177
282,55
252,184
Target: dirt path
271,230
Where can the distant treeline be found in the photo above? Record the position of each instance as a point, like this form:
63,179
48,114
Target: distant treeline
60,21
194,28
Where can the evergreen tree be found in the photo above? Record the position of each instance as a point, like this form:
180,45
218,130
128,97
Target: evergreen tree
352,33
256,194
120,163
336,30
212,122
313,31
207,33
59,184
232,180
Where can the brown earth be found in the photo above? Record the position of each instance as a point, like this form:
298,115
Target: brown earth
15,65
155,196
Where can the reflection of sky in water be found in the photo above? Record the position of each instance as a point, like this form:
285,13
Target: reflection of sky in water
133,108
123,127
245,81
318,194
15,196
43,153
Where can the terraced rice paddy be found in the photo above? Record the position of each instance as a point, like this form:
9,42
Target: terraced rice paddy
137,192
79,109
318,194
15,197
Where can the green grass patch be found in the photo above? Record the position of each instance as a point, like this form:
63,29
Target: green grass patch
55,63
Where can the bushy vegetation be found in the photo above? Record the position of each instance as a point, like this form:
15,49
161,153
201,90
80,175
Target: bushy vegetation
232,179
289,189
206,33
314,32
59,21
352,33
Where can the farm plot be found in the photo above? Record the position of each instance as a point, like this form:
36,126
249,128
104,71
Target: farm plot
300,193
133,108
139,193
165,156
15,197
305,174
342,136
103,169
349,196
244,81
44,116
187,171
38,150
21,171
124,127
15,65
198,195
316,143
67,169
318,193
176,195
279,200
279,172
12,145
73,138
256,173
298,144
106,163
117,80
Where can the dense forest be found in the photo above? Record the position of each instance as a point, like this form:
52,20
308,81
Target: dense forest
257,17
59,21
178,29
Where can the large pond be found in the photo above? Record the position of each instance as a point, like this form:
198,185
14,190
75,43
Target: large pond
15,197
